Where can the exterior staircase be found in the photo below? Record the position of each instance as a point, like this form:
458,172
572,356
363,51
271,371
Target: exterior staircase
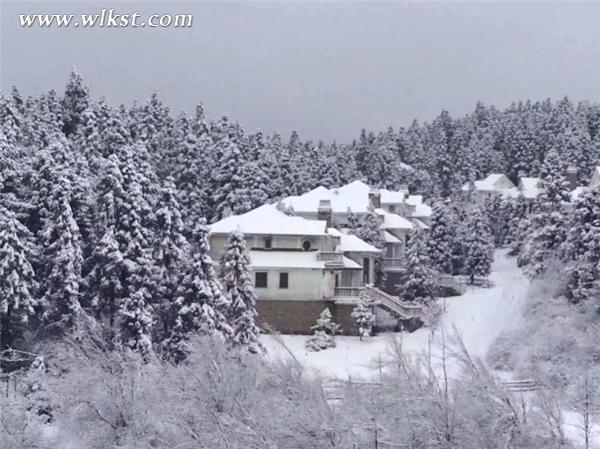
393,304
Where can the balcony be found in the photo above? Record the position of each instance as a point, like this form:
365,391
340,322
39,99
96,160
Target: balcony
331,258
348,292
393,263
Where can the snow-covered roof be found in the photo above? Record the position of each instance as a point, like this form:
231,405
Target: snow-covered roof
393,221
406,166
421,225
334,232
268,219
529,187
354,196
351,243
575,193
390,238
293,259
391,197
493,178
421,209
487,184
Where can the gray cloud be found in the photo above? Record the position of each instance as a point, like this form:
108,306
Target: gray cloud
326,69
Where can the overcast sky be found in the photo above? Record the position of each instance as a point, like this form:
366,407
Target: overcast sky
325,69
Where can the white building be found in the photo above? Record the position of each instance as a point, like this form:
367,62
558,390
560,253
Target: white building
302,266
295,258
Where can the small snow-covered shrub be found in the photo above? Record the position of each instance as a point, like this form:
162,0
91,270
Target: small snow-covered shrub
320,341
364,315
325,331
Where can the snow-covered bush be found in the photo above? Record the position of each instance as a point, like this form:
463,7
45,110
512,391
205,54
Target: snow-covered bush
219,397
417,406
325,330
364,315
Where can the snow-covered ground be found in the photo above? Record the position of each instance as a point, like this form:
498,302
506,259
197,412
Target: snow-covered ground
479,316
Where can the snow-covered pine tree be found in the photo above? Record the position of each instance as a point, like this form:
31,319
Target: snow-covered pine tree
191,163
547,227
480,247
74,102
439,148
364,314
506,213
17,282
554,187
135,319
543,245
582,247
352,221
61,277
324,333
170,253
121,267
381,161
104,282
459,246
200,305
46,173
495,213
138,278
370,232
239,183
239,293
441,238
518,224
418,277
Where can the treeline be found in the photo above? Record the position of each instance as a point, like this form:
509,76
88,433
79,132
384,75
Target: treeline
104,209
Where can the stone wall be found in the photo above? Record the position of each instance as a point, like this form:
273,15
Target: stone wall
297,317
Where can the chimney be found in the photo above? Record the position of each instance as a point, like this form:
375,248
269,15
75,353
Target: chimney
375,197
404,188
522,174
324,212
571,175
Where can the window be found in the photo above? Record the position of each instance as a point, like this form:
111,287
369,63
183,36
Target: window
306,245
260,280
268,242
283,280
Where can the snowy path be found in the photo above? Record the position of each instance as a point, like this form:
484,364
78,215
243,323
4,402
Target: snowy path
479,316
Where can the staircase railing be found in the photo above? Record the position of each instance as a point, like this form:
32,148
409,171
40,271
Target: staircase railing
394,304
348,292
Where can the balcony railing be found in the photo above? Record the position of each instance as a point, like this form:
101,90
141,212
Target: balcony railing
331,258
393,263
348,292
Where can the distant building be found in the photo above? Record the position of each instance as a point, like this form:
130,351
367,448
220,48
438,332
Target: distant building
500,184
399,212
529,187
595,180
493,184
